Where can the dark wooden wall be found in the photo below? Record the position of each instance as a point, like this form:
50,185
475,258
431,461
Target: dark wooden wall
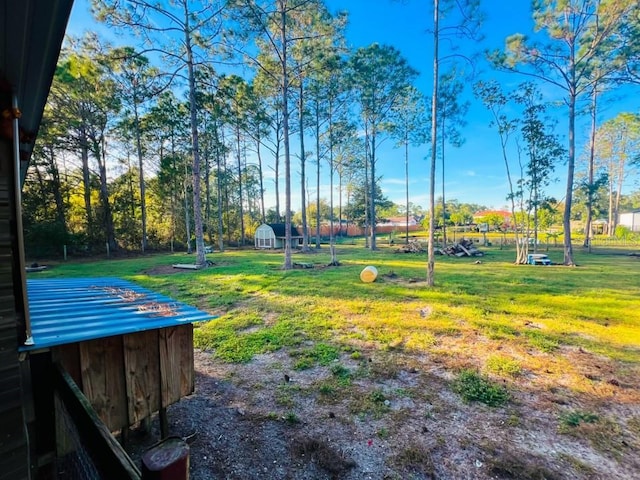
14,458
126,378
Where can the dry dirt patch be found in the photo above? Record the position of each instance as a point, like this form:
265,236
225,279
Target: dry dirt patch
397,419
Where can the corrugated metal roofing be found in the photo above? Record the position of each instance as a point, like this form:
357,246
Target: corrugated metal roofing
74,310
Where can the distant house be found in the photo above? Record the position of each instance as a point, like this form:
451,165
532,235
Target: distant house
272,235
484,213
480,216
631,220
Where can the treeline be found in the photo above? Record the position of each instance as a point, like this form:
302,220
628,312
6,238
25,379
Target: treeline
138,154
187,136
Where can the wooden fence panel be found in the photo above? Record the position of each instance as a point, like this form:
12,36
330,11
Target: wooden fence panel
103,382
142,372
176,363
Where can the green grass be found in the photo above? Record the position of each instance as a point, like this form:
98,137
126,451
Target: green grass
575,418
473,387
503,366
341,374
373,404
321,354
537,315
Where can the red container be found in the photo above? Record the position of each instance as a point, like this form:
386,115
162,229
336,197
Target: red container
166,460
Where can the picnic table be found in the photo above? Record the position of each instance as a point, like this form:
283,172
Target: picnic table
538,259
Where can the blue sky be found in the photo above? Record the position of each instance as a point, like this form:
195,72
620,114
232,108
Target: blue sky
475,172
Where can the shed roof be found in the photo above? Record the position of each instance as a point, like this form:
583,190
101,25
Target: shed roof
280,230
74,310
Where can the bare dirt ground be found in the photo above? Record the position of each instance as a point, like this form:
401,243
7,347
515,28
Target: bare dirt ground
398,419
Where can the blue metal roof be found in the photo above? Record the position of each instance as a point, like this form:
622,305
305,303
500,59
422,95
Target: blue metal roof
74,310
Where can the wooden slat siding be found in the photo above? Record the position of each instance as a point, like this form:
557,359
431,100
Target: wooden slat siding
128,378
14,453
69,357
12,421
142,363
176,363
186,366
102,371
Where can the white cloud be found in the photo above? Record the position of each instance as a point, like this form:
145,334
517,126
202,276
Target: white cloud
393,181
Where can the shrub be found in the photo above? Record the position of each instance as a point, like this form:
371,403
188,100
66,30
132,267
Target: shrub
575,418
473,387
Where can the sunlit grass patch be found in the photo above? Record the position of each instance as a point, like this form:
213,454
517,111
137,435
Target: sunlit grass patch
234,346
503,366
482,316
419,341
542,341
497,330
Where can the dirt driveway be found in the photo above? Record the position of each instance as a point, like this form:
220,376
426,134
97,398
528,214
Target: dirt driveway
398,419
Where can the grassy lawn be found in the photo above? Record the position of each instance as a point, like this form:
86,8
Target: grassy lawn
556,339
493,303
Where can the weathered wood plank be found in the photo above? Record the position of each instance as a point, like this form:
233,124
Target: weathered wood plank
176,363
14,452
187,378
169,342
102,367
69,357
142,372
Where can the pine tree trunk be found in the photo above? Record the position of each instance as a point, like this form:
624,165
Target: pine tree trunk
86,182
373,190
143,201
276,180
592,147
318,177
444,203
303,161
406,185
285,123
104,196
434,132
240,185
262,211
197,210
57,195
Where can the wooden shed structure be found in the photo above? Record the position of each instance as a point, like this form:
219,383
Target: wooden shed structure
128,349
109,348
631,220
273,235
